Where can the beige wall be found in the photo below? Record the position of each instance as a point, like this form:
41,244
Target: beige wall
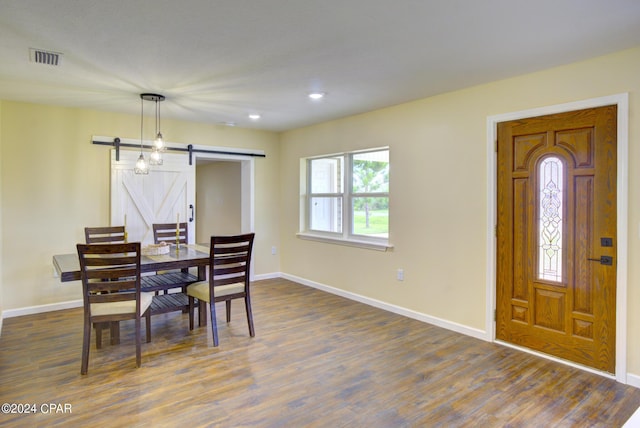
55,182
218,199
439,191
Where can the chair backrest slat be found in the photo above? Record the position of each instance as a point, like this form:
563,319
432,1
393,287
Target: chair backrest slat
228,260
112,297
166,232
223,249
107,260
103,235
230,270
104,273
113,286
231,280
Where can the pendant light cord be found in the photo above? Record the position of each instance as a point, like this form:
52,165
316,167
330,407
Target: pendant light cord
141,121
157,117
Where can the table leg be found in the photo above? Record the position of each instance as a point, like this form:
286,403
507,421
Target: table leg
202,306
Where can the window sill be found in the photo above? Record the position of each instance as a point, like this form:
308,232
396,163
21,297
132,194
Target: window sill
347,242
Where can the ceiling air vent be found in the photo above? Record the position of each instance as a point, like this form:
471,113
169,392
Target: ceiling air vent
40,56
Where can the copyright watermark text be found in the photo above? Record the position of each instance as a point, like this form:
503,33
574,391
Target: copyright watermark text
26,408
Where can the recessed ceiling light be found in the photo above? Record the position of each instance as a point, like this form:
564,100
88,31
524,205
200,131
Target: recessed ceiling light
317,95
254,116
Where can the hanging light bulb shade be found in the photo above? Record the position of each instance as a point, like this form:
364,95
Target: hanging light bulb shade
159,141
155,158
141,164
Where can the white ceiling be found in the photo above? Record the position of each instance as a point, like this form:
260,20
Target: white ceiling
216,61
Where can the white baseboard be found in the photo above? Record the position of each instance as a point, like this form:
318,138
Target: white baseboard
458,328
30,310
633,380
267,276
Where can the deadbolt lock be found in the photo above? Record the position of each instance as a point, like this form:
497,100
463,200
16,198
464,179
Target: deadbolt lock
606,242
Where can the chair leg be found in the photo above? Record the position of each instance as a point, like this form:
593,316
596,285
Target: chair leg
214,324
247,305
98,327
138,344
148,324
86,343
202,313
191,309
228,305
114,328
184,290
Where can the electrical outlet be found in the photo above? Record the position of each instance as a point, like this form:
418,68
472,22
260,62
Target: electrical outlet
400,274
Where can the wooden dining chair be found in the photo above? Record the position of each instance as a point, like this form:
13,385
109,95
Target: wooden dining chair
229,264
106,235
110,275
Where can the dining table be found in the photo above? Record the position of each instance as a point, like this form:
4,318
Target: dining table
179,258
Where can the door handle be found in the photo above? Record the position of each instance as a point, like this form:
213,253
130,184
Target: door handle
604,260
191,217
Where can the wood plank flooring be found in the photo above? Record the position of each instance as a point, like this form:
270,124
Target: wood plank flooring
317,360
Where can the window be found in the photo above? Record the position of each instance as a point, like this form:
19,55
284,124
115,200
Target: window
550,196
347,197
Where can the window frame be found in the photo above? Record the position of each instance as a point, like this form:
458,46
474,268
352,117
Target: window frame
346,196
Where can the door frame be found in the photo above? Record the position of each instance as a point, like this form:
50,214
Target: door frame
622,102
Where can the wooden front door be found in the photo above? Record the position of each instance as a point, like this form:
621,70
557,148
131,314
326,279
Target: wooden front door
165,195
556,235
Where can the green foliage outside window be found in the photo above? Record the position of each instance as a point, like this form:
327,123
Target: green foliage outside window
371,214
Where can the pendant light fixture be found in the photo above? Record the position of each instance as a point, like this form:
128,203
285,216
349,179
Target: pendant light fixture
155,157
141,164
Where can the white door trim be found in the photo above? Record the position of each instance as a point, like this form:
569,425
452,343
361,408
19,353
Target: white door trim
622,101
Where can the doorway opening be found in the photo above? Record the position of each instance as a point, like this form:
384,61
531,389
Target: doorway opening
224,194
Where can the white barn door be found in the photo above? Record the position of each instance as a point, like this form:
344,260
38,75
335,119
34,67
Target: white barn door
165,195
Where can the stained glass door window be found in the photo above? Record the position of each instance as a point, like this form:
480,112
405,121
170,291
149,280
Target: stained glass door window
550,196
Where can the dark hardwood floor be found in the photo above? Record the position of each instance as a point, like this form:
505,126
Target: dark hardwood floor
317,360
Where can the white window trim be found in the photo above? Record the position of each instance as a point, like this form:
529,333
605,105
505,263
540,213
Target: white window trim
342,241
345,238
